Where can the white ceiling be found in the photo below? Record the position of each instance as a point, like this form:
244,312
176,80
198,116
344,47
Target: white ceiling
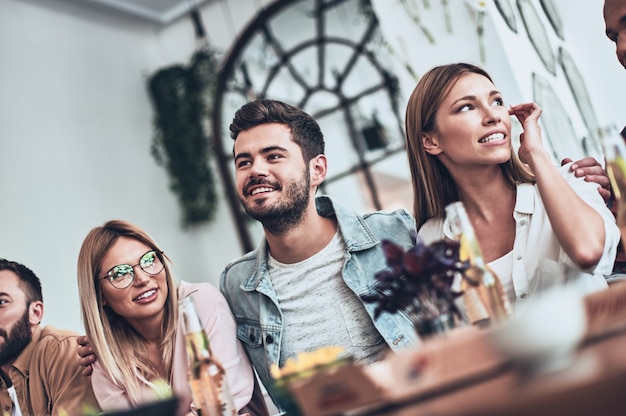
158,11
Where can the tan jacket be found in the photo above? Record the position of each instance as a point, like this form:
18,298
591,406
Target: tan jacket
47,377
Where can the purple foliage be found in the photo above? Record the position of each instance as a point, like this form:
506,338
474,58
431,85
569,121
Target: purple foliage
417,281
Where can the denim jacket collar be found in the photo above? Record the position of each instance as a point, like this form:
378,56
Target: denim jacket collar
356,234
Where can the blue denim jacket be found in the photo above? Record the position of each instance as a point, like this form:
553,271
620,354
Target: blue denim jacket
248,289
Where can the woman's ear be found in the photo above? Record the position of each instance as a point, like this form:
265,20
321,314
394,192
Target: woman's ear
431,144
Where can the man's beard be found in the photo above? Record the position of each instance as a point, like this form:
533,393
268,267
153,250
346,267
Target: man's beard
284,215
16,341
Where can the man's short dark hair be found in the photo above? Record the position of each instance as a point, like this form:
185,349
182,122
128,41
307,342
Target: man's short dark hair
304,129
30,282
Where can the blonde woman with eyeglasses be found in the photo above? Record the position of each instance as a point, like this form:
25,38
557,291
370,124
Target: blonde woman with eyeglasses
129,304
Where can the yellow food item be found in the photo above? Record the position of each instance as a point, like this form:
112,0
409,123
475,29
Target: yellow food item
305,361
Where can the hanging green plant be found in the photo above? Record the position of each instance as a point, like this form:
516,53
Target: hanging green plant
182,97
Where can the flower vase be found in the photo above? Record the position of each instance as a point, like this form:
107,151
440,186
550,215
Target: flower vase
434,326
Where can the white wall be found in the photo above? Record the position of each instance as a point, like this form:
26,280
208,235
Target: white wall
75,130
75,134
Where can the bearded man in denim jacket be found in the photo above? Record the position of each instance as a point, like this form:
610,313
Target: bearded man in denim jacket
300,290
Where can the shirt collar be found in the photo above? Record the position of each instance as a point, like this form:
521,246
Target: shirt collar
525,198
524,204
355,232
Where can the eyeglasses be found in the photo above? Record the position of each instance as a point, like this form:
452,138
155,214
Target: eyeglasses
122,275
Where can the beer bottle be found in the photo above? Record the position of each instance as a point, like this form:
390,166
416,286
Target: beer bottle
207,377
483,295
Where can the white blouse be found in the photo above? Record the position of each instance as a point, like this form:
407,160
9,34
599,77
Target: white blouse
537,259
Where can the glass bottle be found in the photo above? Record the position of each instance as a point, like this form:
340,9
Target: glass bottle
207,377
483,295
614,146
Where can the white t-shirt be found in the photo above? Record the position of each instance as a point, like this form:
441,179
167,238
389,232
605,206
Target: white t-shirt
16,404
12,394
503,267
318,309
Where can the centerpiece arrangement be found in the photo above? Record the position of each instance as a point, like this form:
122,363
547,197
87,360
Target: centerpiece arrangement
420,283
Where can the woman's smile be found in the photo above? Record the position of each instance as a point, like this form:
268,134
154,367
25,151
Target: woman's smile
147,296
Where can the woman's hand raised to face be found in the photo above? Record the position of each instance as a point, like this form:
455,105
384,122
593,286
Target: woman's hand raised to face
530,140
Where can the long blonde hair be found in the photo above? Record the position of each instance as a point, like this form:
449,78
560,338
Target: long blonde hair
120,348
433,187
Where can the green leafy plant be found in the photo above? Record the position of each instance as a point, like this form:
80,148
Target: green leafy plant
182,98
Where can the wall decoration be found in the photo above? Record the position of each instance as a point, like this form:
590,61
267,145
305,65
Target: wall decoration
558,128
478,9
413,13
506,11
581,96
549,8
537,34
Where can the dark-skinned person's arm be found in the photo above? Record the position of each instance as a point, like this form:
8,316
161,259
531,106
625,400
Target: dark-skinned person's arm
592,171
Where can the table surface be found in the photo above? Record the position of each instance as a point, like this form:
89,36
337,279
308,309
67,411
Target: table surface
463,373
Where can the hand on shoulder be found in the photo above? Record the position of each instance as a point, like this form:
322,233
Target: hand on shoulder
590,169
86,356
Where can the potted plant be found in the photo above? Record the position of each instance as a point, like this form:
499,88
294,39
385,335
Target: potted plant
419,283
182,97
